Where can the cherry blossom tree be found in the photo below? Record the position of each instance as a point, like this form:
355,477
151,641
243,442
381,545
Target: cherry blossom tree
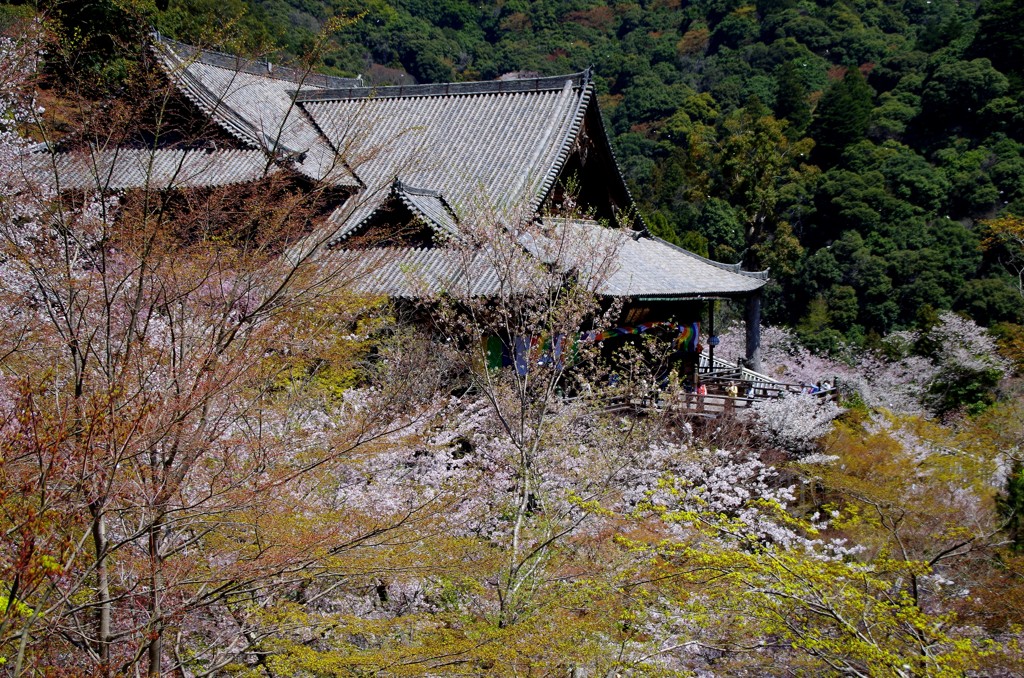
169,406
794,422
952,364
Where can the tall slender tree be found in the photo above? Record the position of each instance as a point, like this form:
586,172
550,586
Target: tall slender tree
842,116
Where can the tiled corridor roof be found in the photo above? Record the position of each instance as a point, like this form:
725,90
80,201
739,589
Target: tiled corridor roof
118,169
642,266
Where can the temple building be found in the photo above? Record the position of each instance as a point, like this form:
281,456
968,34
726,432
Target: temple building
414,168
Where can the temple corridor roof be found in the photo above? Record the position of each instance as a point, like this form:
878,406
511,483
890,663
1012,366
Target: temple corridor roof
115,169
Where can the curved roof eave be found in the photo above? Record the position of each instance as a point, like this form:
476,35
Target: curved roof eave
732,268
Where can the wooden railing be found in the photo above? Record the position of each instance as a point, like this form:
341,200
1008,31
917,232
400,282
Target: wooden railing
716,377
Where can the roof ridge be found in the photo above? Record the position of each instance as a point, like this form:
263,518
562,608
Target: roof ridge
399,186
263,68
540,84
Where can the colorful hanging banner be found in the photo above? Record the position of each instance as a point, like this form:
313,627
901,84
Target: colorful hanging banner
686,339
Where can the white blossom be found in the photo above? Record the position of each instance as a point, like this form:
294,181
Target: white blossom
795,421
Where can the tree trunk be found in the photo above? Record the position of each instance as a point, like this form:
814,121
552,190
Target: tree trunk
156,584
99,540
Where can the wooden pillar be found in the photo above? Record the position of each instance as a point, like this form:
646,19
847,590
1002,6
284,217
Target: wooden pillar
753,320
711,333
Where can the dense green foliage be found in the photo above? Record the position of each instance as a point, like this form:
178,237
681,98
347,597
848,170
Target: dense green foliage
852,145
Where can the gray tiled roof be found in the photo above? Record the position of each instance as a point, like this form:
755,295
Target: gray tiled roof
418,273
255,102
126,168
476,153
617,263
486,148
429,206
483,148
642,266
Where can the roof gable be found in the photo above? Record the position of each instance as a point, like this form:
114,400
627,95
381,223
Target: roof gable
404,207
495,147
255,102
429,206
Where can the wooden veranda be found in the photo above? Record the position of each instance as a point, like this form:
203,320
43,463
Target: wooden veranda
716,375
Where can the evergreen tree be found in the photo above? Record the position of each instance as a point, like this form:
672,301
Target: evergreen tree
1000,37
791,100
99,42
842,117
1011,506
